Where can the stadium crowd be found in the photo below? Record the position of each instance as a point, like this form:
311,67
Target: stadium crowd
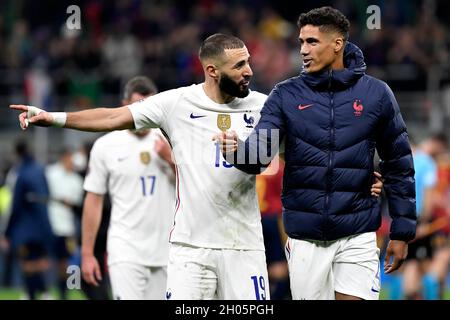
161,39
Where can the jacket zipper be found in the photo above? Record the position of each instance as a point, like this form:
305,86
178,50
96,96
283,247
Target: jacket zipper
330,155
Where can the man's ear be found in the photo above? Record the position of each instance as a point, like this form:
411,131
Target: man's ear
338,45
212,71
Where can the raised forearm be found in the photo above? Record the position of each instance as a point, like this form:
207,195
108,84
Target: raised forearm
95,120
100,119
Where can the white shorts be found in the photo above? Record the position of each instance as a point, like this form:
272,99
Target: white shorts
205,274
350,265
130,281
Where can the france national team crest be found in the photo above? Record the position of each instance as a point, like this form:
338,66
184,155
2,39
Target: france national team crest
145,157
223,121
249,121
358,107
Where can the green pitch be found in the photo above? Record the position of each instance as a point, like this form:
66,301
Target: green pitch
17,294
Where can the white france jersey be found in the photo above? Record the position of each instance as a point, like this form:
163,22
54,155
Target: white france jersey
217,206
142,190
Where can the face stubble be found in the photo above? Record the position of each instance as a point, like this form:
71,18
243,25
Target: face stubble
228,86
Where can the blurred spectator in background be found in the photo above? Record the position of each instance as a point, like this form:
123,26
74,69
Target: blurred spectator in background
66,193
28,232
10,177
5,203
5,200
122,54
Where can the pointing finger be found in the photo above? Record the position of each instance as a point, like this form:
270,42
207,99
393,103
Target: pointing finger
19,107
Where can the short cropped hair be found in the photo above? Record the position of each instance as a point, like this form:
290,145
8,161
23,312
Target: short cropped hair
141,85
327,19
215,45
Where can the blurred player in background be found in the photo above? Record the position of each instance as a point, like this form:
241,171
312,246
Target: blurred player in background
441,218
66,193
29,233
136,168
101,291
217,246
426,264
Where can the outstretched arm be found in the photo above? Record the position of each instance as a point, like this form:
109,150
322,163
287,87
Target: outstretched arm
95,120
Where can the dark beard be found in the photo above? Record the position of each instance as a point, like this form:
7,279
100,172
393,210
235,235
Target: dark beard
232,88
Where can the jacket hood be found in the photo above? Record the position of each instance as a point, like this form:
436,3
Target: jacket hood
355,68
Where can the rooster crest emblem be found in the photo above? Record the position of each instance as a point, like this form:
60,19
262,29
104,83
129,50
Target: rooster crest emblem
249,121
358,107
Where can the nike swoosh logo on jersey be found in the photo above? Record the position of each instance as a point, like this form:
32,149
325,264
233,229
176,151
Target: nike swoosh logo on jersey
300,107
374,290
122,158
195,117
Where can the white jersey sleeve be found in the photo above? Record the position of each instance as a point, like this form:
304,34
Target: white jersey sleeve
96,180
153,111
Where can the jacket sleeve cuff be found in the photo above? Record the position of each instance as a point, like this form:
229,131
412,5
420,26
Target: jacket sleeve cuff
403,229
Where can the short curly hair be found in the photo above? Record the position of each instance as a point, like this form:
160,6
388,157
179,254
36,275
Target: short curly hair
327,19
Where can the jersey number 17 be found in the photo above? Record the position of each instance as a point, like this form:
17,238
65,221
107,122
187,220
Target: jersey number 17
148,185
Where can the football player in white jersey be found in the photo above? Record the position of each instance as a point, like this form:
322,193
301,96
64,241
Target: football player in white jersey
217,248
136,169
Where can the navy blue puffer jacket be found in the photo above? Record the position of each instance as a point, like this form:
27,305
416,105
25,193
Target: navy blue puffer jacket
332,123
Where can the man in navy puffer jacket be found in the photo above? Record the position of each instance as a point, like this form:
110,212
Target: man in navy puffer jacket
332,118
